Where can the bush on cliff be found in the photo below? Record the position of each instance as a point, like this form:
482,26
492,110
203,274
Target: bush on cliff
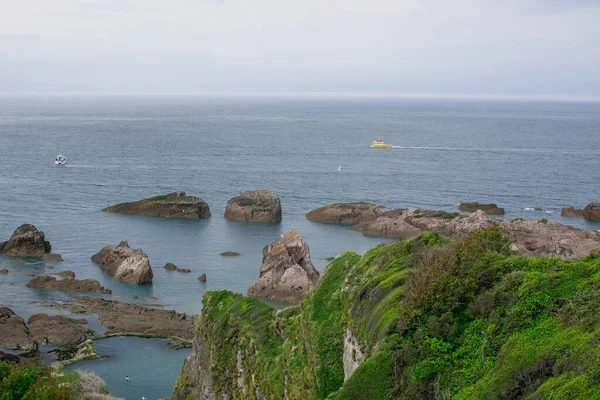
435,319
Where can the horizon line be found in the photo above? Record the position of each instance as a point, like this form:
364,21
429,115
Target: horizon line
357,95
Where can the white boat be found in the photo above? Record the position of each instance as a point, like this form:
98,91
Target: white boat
60,160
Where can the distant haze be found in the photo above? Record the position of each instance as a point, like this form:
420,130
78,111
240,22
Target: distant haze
462,47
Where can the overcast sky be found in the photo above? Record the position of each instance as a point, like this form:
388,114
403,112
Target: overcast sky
495,47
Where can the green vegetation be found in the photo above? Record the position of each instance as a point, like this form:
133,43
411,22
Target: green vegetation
435,319
162,197
36,382
435,214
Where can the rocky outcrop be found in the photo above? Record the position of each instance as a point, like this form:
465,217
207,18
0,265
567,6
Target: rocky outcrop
124,263
131,318
172,205
287,272
14,334
3,271
202,278
353,355
571,212
345,213
530,237
173,267
591,212
27,241
68,283
254,206
486,208
56,329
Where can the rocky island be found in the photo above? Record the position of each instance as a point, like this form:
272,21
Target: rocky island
287,272
28,241
124,263
345,213
254,206
68,284
172,205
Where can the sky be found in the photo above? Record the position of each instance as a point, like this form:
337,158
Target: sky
418,47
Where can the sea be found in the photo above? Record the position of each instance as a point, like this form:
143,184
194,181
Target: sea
310,151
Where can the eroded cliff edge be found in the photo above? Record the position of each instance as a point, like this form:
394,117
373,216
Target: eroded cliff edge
418,319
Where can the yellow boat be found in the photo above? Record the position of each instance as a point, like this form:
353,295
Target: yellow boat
379,144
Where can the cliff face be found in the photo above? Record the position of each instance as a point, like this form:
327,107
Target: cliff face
419,319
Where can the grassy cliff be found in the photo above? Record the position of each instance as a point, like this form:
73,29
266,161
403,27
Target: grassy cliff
432,318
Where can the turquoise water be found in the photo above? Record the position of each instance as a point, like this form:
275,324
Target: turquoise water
519,155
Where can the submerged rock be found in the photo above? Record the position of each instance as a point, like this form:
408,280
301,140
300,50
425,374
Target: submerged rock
27,241
68,284
52,257
230,254
173,267
591,212
486,208
571,212
345,213
287,272
56,329
132,318
124,263
3,271
172,205
254,206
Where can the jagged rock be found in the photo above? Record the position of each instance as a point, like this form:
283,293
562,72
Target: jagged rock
530,237
3,271
68,284
173,205
571,212
254,206
202,278
131,318
26,241
66,274
591,212
56,329
287,272
14,334
124,263
173,267
230,254
345,213
353,354
487,208
52,257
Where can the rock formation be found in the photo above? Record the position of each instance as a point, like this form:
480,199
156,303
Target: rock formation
124,263
52,257
56,329
14,334
571,212
68,283
287,272
3,271
591,212
27,241
531,237
345,213
173,205
202,278
131,318
254,206
487,208
173,267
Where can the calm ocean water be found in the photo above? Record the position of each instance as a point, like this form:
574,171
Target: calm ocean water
517,154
